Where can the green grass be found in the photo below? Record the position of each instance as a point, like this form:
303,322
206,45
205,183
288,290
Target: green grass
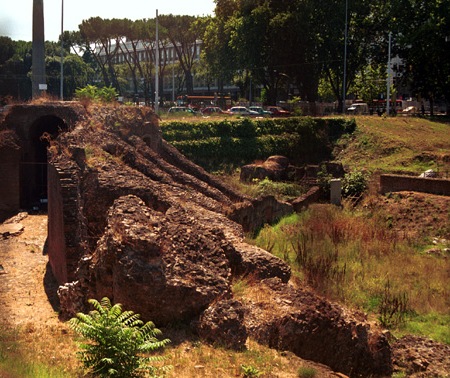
433,325
13,362
353,257
400,144
19,368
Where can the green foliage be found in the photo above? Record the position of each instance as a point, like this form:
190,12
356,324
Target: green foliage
354,184
324,180
346,255
118,343
399,374
93,93
215,144
249,371
281,190
432,325
370,82
306,372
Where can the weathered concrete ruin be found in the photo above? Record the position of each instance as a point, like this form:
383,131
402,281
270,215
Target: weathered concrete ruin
130,218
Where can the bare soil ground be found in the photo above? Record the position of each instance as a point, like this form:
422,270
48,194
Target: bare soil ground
29,322
28,290
415,214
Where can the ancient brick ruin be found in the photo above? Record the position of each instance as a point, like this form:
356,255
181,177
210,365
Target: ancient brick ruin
131,218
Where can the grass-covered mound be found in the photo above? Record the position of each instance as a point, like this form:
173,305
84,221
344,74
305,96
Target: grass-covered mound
216,144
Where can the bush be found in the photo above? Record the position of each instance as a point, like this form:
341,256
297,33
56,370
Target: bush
306,372
354,184
93,93
281,190
394,307
118,343
249,371
212,144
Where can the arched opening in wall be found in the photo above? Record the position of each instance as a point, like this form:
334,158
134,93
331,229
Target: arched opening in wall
33,175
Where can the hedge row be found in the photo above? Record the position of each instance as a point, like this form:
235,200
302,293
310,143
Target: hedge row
232,143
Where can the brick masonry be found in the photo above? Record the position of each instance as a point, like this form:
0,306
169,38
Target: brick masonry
397,183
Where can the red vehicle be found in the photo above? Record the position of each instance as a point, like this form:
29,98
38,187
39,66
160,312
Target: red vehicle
278,111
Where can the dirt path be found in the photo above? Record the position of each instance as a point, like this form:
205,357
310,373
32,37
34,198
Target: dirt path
26,273
28,300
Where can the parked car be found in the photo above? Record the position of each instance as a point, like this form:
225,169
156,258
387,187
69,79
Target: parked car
212,110
278,111
242,110
180,109
261,111
358,108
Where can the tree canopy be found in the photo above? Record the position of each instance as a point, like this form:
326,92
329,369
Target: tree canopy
289,48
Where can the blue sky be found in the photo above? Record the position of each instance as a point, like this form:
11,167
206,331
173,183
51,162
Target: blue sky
16,15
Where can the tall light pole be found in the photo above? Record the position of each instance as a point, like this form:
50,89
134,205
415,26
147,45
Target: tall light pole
157,67
344,81
388,83
61,87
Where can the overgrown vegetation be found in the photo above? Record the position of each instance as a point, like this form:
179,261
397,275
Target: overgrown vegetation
117,343
219,144
91,93
280,190
353,256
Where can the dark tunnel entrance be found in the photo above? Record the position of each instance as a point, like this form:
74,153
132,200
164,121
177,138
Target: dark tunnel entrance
33,172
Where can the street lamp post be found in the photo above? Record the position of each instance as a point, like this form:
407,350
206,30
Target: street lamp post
388,84
61,86
344,84
157,67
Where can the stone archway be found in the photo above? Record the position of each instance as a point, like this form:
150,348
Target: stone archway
23,151
33,166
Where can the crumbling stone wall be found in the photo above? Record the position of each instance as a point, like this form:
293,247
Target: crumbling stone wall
9,172
397,183
255,214
65,237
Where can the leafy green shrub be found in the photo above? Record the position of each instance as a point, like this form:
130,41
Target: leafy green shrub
118,343
212,144
324,180
282,190
249,371
93,93
354,184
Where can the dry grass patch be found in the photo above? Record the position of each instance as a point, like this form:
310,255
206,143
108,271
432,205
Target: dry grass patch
354,256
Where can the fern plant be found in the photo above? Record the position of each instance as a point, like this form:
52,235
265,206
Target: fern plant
119,344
